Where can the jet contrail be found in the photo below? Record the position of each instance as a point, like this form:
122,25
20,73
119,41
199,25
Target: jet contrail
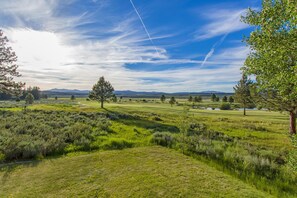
148,34
210,53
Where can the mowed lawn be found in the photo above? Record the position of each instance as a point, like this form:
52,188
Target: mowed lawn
137,172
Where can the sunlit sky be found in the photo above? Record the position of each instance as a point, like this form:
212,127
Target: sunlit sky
141,45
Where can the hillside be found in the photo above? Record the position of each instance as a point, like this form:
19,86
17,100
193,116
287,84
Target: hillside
137,172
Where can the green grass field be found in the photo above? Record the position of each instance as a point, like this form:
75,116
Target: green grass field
137,172
260,138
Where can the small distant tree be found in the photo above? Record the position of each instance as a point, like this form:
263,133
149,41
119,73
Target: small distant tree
8,68
29,98
231,99
101,91
243,92
35,91
56,98
114,98
225,99
163,98
198,99
217,99
172,101
72,97
213,97
190,99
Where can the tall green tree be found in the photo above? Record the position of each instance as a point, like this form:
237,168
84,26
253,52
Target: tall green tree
231,99
101,91
36,92
273,57
213,97
29,98
190,99
172,101
163,98
243,92
8,68
72,97
225,99
198,99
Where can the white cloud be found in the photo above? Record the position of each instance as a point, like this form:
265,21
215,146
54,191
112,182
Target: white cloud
221,21
52,53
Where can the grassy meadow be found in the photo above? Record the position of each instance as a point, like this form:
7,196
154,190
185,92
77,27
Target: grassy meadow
204,152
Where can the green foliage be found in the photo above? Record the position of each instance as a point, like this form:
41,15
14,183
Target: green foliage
36,133
163,98
190,99
243,92
29,98
172,101
72,97
213,97
101,91
293,154
225,106
8,68
225,99
230,99
163,139
198,99
273,60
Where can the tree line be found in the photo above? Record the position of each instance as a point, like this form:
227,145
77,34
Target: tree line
272,62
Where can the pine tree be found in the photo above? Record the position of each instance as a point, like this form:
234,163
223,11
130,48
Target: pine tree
8,69
101,91
163,98
243,92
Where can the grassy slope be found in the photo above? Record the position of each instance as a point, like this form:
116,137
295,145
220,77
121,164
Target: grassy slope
137,172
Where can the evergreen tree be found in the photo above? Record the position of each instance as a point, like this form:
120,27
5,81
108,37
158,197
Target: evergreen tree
213,97
225,99
101,91
163,98
231,99
172,101
243,92
8,68
190,99
29,98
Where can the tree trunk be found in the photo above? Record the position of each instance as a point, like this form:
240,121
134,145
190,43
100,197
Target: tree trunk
102,104
292,123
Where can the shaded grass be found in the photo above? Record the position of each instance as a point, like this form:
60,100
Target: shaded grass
138,172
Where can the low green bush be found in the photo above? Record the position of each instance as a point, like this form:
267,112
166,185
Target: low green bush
162,139
34,134
225,106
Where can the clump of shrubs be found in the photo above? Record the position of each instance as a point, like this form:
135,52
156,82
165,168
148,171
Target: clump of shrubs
225,106
34,134
163,139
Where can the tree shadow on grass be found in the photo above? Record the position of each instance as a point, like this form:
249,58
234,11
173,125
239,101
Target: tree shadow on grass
134,120
7,168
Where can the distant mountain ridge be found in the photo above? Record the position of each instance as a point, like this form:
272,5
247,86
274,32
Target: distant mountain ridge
129,93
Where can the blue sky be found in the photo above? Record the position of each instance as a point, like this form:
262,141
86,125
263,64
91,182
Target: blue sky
142,45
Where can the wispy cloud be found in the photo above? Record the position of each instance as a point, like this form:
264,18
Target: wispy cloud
144,26
221,21
54,51
212,50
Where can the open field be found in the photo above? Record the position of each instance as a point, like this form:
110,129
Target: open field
252,148
138,172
